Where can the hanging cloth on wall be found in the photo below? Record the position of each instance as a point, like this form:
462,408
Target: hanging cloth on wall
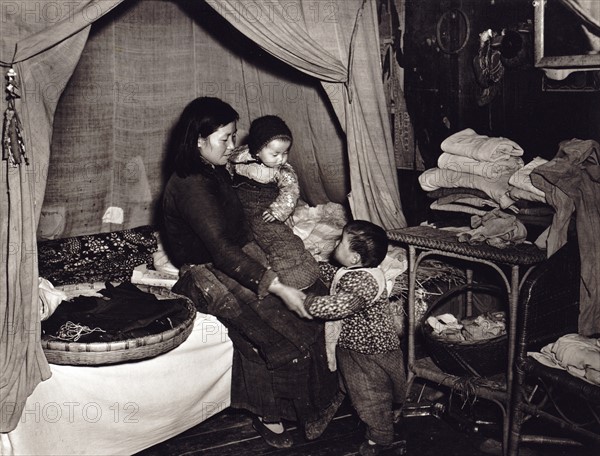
488,67
13,145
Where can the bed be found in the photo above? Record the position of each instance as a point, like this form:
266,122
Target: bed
120,408
126,407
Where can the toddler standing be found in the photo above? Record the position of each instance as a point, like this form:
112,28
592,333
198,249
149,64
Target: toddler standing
368,349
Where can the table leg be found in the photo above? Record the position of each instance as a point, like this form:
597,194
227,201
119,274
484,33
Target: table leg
508,446
412,279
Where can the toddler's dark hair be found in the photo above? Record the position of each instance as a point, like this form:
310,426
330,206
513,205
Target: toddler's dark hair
368,240
265,129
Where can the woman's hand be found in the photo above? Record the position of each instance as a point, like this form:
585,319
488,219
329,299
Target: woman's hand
291,297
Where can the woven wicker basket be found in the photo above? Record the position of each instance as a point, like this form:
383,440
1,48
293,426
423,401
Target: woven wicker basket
98,353
476,357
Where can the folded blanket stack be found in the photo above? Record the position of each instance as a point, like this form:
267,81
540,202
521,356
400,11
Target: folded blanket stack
474,161
486,175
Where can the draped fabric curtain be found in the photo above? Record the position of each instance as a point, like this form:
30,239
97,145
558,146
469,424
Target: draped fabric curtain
40,81
335,43
139,69
43,41
588,12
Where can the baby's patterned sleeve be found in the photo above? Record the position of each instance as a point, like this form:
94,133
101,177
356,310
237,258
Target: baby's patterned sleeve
289,192
354,291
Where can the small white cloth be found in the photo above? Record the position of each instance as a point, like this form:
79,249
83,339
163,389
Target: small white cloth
50,298
113,215
443,322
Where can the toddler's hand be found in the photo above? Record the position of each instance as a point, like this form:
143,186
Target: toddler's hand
268,217
291,297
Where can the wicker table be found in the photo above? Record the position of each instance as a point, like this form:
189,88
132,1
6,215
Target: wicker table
426,241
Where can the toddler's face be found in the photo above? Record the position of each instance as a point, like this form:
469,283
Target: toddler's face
275,153
343,254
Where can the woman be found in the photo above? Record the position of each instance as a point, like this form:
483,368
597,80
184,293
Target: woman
279,366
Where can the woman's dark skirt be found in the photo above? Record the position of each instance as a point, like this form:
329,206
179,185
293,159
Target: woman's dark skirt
279,365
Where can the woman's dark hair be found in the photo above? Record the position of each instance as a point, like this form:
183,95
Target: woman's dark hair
200,118
368,240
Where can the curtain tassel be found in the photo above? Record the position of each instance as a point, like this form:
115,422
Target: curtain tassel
13,146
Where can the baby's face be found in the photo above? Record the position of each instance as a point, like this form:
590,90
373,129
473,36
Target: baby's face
275,153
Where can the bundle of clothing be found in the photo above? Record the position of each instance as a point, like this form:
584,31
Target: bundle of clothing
118,313
578,355
571,183
482,327
487,178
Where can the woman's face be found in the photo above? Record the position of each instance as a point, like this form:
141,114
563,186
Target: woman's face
217,147
275,153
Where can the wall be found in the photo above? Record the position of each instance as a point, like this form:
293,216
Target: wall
443,94
141,65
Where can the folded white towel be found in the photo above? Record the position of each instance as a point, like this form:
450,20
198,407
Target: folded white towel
452,207
480,147
49,298
486,169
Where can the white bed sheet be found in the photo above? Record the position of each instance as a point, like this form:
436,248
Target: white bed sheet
125,408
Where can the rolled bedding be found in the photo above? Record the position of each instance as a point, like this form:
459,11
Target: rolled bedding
497,188
480,147
486,169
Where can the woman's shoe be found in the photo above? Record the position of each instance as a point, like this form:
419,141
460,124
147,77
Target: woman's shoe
277,440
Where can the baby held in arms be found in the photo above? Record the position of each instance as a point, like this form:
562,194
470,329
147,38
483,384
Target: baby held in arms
268,189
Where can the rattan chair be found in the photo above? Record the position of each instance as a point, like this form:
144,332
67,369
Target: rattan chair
550,299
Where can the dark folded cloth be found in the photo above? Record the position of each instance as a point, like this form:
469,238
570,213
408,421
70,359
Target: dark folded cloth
124,312
441,192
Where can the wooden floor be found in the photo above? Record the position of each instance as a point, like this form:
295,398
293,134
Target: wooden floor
451,433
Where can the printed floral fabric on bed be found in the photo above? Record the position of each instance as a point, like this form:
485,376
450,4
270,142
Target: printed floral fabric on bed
96,258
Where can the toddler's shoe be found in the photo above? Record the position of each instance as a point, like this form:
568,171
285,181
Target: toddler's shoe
314,429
